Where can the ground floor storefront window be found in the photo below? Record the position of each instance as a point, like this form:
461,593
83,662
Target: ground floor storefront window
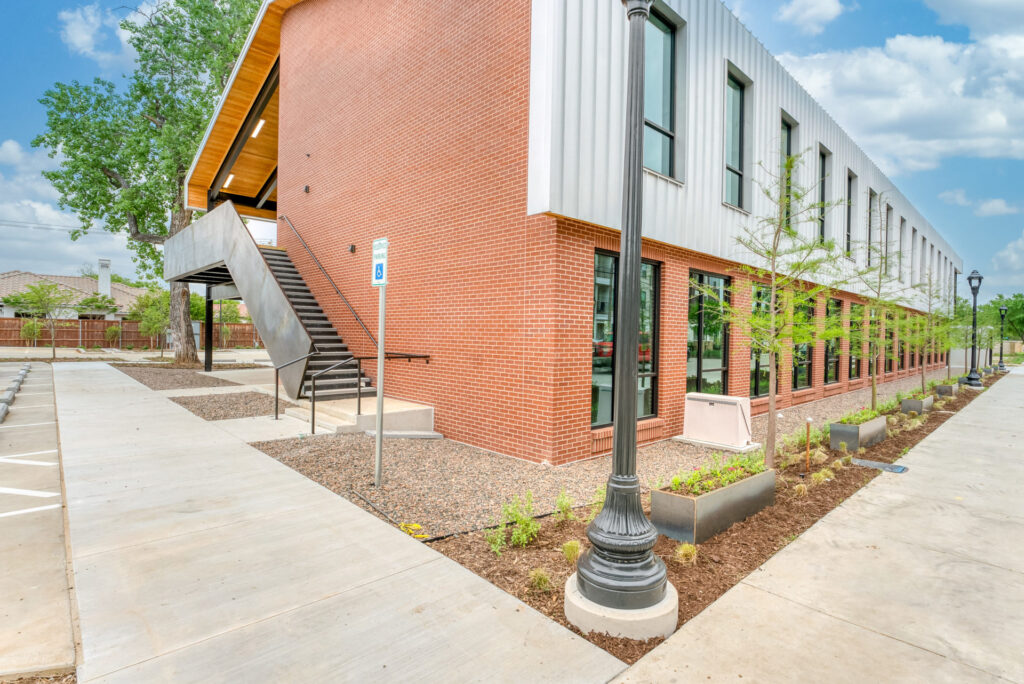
856,339
833,332
760,371
803,352
602,356
707,342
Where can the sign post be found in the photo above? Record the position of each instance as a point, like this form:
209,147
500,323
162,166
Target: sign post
379,279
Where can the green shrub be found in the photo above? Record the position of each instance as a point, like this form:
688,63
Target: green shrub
859,417
685,554
519,514
112,334
563,507
571,551
719,472
597,502
540,579
495,539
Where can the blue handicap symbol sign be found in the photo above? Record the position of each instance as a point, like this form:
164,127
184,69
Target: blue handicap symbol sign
378,272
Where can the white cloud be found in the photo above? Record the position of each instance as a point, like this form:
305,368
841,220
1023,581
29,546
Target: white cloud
995,207
24,177
1010,259
920,99
956,197
982,17
810,16
96,34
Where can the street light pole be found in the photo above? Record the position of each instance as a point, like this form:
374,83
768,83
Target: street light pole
974,280
1002,335
620,571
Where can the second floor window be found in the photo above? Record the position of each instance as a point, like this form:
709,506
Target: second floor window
787,178
659,96
822,194
734,142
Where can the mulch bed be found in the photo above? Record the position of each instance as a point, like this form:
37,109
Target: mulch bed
67,678
228,406
167,376
722,561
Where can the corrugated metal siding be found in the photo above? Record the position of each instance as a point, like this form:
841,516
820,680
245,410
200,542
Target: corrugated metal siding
578,74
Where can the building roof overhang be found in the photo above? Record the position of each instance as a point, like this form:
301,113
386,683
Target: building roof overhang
237,158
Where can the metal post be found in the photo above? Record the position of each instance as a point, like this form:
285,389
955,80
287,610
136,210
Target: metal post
208,336
1002,337
312,407
359,387
619,570
378,462
973,379
276,400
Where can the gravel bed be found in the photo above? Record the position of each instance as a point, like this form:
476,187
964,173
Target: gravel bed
449,487
227,406
161,377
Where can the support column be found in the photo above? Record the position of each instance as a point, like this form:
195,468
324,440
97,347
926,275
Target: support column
208,335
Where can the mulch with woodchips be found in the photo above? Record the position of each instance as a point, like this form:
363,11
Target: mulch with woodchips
233,405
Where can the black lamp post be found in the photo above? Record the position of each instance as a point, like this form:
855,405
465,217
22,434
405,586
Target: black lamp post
974,280
1002,332
619,570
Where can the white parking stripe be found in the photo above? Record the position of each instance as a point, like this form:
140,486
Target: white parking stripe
25,461
31,453
29,510
11,427
28,492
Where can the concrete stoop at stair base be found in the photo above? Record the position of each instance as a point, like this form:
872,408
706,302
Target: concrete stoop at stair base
402,419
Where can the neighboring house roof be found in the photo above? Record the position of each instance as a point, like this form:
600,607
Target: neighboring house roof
13,282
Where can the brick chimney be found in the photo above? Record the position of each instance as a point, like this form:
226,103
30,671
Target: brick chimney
103,288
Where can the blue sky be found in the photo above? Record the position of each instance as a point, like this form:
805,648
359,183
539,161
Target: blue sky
932,90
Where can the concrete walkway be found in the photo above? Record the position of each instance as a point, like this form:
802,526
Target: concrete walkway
917,577
36,635
199,558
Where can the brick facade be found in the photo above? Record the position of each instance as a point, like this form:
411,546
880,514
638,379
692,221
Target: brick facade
410,121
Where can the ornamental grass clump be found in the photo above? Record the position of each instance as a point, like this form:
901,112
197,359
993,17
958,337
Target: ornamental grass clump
800,490
822,476
837,464
719,472
685,554
571,551
847,460
540,580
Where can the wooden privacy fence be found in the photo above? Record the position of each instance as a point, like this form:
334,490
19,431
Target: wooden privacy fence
92,333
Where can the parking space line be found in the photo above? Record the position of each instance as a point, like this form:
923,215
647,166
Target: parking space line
28,492
25,461
29,510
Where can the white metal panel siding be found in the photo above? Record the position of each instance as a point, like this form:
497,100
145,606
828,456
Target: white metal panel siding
577,114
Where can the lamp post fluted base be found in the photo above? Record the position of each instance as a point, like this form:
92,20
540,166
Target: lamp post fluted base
620,569
974,378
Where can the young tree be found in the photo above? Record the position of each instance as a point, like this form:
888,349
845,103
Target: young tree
31,330
929,332
790,265
103,304
885,293
125,149
47,303
155,322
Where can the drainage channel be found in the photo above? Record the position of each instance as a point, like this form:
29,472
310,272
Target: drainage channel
887,467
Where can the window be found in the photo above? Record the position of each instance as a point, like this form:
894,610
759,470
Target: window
659,96
602,366
803,352
901,358
871,220
734,104
888,239
833,331
872,342
759,363
707,342
902,238
890,341
850,195
786,176
822,194
856,339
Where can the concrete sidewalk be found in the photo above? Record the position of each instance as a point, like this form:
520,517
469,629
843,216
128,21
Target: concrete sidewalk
917,577
199,558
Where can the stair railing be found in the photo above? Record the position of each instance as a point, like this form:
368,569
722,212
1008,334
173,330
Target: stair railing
277,372
329,279
359,380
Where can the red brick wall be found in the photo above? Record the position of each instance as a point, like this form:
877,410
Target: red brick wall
409,120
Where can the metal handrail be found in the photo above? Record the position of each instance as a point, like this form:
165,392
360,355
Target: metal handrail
277,369
359,380
329,279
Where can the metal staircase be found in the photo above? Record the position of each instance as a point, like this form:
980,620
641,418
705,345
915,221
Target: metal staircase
337,383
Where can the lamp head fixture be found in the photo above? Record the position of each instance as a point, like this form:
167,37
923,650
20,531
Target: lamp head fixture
974,280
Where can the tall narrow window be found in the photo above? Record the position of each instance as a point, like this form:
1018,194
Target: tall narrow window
659,96
734,142
902,239
871,221
602,371
803,352
856,339
873,351
888,240
822,194
707,342
786,175
890,342
833,331
849,214
759,366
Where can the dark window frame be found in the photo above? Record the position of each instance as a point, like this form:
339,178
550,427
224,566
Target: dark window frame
822,194
786,133
655,334
855,358
808,356
657,18
849,213
755,355
742,89
700,331
833,351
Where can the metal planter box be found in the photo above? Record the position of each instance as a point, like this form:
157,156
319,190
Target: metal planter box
857,436
917,405
946,390
696,519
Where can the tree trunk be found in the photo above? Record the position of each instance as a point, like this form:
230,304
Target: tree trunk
769,442
181,319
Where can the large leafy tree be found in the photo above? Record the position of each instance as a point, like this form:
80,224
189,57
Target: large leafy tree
47,303
125,148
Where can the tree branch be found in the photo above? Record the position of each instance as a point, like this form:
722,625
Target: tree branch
133,222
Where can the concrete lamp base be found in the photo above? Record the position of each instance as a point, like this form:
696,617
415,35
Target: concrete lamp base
659,620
